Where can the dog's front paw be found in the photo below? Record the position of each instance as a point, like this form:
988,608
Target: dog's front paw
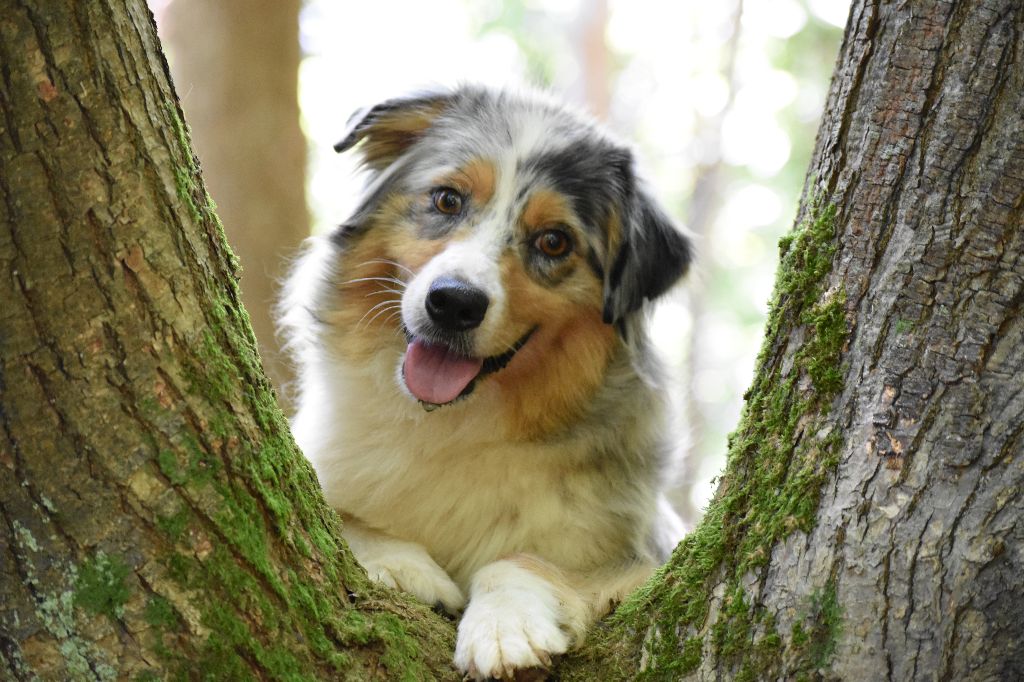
505,632
411,570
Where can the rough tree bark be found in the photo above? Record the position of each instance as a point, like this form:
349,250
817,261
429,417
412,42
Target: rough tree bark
157,520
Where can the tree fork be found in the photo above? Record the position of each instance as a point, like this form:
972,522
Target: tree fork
159,522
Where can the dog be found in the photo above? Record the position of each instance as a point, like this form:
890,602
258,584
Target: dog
476,390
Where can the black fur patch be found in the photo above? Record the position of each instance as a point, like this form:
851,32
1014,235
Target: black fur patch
653,255
598,178
586,172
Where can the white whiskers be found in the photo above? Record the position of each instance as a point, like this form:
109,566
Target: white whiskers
385,261
391,305
389,280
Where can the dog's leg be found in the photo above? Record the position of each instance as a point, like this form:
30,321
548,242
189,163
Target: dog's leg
402,565
522,611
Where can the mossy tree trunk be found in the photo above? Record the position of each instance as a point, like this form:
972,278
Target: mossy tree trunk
156,518
869,524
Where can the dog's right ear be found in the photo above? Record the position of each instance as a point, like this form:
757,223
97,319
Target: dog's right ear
389,128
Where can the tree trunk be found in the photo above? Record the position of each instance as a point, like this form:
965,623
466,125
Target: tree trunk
237,64
868,523
157,520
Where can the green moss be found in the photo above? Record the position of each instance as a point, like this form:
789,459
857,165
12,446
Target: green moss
160,614
100,587
816,632
183,182
402,655
903,326
174,525
179,568
807,255
187,178
731,632
821,354
779,457
169,466
691,656
191,191
229,636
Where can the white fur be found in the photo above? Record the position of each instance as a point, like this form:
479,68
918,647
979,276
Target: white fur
513,621
405,566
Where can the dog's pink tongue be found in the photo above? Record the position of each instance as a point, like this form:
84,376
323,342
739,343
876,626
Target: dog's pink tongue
436,375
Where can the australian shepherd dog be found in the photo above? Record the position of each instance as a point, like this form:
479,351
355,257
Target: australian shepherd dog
476,390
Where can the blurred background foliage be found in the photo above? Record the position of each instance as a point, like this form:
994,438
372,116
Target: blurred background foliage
721,100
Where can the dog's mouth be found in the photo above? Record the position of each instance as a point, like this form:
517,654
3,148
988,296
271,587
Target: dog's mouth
436,375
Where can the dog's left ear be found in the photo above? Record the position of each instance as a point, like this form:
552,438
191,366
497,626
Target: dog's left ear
651,254
389,128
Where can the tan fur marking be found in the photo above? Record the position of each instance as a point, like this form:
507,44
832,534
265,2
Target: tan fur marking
546,207
363,328
554,376
393,132
411,251
553,574
481,177
476,179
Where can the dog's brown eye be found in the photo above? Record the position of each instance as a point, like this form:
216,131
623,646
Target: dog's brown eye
447,201
553,243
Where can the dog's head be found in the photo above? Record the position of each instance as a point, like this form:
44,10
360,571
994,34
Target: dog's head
501,237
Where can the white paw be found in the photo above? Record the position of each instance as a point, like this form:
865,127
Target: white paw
505,631
412,570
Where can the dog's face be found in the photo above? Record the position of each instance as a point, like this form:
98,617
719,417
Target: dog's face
503,242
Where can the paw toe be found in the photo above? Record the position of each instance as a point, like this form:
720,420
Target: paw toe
506,647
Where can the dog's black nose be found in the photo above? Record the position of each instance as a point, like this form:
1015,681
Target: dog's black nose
455,305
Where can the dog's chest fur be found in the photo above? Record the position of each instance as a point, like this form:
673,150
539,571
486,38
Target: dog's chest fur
451,480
